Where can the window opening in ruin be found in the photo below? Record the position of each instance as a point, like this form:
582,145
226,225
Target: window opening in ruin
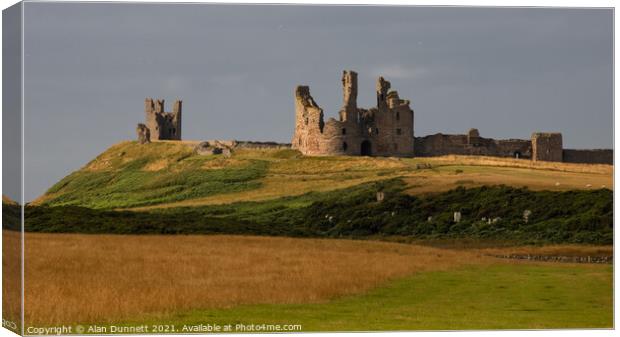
366,148
344,146
377,130
517,154
344,131
399,131
397,115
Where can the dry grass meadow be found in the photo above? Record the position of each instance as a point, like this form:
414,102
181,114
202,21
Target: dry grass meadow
11,275
107,278
76,278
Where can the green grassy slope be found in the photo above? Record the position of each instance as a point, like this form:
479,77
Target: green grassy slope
503,296
128,175
169,174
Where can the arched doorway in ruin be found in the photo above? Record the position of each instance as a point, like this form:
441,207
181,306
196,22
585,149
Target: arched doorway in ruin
517,154
366,148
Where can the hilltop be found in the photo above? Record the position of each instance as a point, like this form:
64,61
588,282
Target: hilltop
7,200
171,174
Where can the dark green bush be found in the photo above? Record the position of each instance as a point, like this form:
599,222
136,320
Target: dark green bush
558,217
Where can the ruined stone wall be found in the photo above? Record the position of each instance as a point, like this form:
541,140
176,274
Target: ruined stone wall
602,156
163,125
177,108
440,144
516,148
386,130
542,146
547,146
143,133
471,144
309,122
341,138
245,144
391,128
261,145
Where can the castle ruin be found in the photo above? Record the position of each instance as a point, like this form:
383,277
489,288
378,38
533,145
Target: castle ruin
387,130
160,124
384,130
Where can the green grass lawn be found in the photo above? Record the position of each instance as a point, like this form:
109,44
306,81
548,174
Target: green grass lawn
501,296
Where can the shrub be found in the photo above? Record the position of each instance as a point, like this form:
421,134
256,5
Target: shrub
573,216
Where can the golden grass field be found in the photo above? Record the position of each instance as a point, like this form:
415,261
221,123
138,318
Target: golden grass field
11,275
97,278
110,278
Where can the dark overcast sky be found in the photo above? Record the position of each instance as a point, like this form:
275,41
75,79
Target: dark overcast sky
506,71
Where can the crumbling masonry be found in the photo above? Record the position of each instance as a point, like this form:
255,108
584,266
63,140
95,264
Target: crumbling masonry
387,130
384,130
162,125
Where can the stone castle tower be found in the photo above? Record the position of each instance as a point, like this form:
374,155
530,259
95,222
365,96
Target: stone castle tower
163,125
547,146
385,130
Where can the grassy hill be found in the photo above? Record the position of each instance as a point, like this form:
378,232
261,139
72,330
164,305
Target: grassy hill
169,174
165,188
